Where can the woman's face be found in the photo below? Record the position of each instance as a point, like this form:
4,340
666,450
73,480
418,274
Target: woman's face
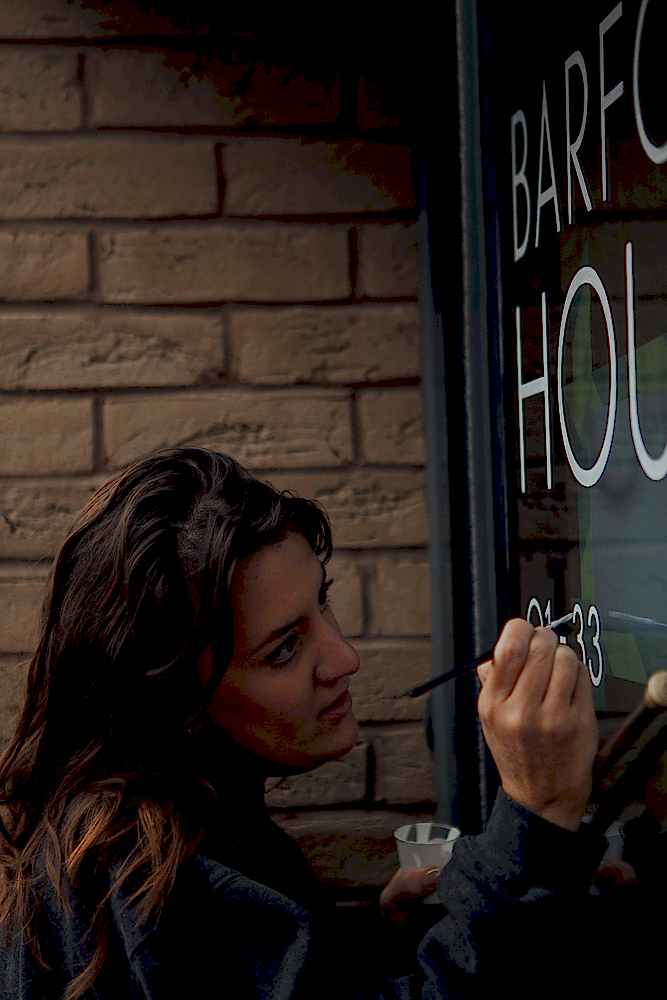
285,693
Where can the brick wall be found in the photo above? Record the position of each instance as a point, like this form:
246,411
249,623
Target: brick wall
223,257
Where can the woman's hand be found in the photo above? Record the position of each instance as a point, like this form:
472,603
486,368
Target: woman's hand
616,876
406,888
536,709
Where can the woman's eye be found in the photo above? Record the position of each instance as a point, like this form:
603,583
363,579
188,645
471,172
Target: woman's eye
324,594
283,653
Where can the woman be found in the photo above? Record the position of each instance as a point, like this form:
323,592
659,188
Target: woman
188,651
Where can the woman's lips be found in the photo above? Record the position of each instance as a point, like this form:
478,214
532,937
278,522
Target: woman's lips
339,707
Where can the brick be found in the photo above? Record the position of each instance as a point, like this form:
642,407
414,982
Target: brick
35,516
367,509
13,675
21,602
215,263
351,848
341,780
401,597
259,430
380,102
23,570
107,177
42,19
39,90
294,176
171,88
346,594
43,436
324,344
47,266
387,670
404,768
392,426
388,260
100,348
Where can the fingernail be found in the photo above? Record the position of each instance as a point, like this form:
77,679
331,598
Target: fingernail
430,878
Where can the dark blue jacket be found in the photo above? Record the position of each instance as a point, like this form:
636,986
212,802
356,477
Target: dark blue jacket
509,896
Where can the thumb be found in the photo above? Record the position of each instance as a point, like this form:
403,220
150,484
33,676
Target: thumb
409,884
483,672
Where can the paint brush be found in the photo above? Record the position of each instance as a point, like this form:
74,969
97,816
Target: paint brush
620,621
449,675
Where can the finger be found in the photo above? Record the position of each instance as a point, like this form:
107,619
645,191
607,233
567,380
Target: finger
509,657
565,675
408,885
582,695
533,681
483,672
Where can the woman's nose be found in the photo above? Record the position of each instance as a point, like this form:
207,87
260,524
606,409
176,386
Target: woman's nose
337,658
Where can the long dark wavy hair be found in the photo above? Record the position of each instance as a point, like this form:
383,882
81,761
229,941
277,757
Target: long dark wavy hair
101,765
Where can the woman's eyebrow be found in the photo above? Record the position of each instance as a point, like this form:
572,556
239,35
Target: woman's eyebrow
277,632
283,629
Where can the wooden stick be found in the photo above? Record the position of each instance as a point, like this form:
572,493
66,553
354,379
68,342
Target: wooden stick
632,780
653,702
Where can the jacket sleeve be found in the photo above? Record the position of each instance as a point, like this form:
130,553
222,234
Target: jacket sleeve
512,895
519,910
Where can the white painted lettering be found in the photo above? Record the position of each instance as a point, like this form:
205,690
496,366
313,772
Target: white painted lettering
534,605
658,154
596,673
576,59
654,468
519,181
607,99
588,476
534,388
549,194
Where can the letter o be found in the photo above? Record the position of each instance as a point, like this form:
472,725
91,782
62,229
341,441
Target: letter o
588,476
658,154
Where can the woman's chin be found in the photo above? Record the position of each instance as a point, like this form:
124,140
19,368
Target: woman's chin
348,737
331,745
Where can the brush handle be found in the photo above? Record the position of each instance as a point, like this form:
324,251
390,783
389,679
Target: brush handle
449,675
560,627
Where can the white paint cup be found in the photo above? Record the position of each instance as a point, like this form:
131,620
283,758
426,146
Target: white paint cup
614,850
425,845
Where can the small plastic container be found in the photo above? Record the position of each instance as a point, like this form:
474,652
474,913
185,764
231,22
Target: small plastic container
424,845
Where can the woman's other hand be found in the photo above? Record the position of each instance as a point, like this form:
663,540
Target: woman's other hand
537,714
407,888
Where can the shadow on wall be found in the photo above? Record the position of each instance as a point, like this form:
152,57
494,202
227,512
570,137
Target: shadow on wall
223,38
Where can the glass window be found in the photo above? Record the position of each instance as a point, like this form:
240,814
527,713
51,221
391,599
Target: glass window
575,142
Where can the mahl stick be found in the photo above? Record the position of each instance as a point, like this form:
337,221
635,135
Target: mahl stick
654,701
611,800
